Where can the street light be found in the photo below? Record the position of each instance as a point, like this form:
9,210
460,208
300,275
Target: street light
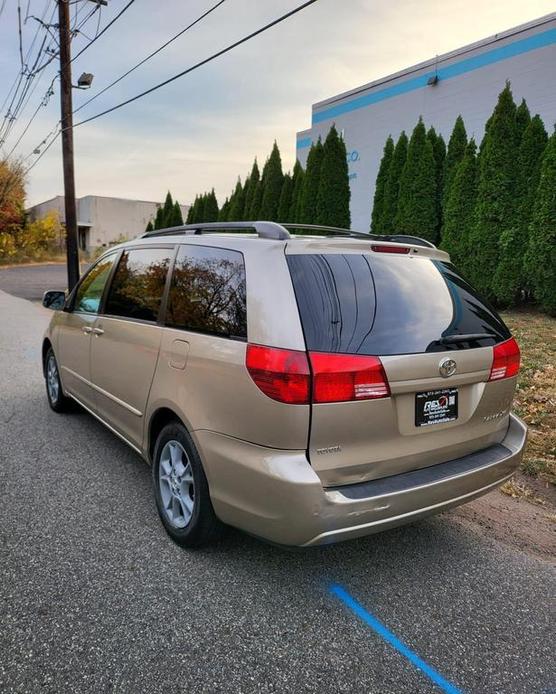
85,81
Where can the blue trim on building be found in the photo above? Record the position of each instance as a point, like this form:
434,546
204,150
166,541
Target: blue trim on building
531,43
304,142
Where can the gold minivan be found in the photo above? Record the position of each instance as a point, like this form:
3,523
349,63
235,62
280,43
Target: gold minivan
305,387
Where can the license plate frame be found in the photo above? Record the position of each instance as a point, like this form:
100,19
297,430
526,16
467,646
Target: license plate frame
436,407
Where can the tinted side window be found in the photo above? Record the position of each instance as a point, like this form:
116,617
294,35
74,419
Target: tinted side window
364,304
89,292
207,293
138,284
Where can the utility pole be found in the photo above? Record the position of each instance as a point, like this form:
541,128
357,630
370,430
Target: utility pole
67,143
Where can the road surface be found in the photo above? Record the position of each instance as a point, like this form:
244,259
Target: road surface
96,598
31,281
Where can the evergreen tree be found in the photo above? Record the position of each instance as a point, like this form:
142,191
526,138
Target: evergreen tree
210,208
522,119
224,211
454,154
272,185
237,203
460,207
439,154
177,217
254,178
297,189
392,187
199,214
159,218
377,225
333,193
509,279
149,227
540,259
168,211
256,201
285,199
192,210
308,202
417,202
496,193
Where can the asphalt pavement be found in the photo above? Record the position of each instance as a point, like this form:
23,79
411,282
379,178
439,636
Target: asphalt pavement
94,597
31,281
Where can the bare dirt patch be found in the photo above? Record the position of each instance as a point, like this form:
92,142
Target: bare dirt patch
526,522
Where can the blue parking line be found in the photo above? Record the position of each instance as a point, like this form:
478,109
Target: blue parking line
392,639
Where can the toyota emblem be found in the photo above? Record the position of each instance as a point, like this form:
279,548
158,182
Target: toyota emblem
447,367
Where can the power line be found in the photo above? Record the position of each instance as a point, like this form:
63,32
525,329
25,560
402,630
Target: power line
199,64
104,29
57,130
151,55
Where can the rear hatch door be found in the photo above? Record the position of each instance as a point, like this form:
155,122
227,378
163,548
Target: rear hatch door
434,337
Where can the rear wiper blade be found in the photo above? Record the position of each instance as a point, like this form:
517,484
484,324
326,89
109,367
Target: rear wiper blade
469,337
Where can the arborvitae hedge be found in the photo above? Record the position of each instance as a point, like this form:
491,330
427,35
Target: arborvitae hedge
439,154
392,187
496,203
254,178
460,207
377,218
294,214
333,192
540,259
454,154
308,206
237,204
272,185
522,120
510,281
417,199
285,199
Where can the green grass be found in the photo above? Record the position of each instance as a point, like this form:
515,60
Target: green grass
535,400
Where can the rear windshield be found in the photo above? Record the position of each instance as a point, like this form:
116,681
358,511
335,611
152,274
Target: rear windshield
388,304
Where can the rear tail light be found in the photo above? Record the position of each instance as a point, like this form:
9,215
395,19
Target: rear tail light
282,374
389,249
505,362
345,377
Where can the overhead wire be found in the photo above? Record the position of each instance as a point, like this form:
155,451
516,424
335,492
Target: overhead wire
188,70
151,55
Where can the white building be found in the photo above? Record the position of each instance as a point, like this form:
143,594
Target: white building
101,220
466,81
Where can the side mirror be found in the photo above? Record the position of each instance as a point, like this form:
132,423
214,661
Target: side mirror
54,299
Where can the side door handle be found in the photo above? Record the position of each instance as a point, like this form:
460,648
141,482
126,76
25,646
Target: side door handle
86,329
98,331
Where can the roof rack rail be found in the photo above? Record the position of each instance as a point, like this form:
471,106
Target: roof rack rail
338,231
265,230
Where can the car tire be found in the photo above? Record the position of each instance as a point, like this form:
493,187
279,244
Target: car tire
56,398
181,489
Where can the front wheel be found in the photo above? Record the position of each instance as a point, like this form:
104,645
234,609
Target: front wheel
56,398
181,489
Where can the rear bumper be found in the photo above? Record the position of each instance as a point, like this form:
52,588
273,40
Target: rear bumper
277,495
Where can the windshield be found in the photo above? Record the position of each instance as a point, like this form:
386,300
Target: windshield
385,305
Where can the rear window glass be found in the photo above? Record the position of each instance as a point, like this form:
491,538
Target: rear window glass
362,304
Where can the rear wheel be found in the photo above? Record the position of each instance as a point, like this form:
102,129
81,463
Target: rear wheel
56,398
181,489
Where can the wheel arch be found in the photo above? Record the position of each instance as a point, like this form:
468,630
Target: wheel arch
158,420
46,345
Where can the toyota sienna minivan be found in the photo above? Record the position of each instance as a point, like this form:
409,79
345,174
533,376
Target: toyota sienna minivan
307,387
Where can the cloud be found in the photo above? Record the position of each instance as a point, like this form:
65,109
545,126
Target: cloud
205,129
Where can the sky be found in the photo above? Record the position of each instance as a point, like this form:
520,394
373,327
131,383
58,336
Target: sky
205,129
